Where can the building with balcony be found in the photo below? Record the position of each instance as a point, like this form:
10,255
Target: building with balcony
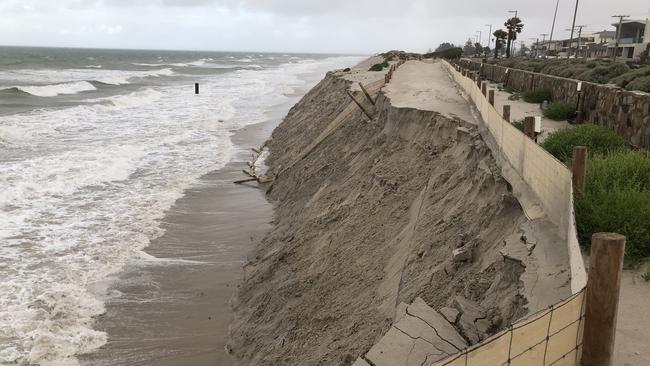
633,40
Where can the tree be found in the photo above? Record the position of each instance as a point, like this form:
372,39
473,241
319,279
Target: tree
500,36
478,49
486,51
469,49
444,47
514,26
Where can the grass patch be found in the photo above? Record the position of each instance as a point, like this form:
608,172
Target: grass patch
537,96
560,111
597,139
376,67
617,199
646,276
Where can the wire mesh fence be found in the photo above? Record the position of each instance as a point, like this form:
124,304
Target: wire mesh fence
550,337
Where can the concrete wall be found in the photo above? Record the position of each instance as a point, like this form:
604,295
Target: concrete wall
626,112
548,178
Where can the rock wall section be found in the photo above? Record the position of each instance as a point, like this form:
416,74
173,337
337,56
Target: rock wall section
370,214
626,112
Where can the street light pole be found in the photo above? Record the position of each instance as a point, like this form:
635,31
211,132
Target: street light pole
573,27
543,40
489,35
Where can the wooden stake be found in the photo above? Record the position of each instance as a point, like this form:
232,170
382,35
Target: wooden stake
579,168
506,113
365,92
484,88
245,180
359,105
603,288
196,88
491,97
529,127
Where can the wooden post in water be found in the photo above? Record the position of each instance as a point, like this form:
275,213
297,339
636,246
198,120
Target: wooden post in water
601,306
529,127
196,88
506,113
579,168
491,97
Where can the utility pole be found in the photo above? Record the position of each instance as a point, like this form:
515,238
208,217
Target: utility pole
480,36
579,27
573,27
618,32
543,41
554,18
489,35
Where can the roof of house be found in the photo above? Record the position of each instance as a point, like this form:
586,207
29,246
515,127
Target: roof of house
606,33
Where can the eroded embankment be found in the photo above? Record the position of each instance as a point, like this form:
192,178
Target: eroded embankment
368,218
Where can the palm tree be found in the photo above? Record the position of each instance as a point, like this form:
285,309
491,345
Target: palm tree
514,26
500,36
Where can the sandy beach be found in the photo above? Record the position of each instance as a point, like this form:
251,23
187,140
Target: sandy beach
174,310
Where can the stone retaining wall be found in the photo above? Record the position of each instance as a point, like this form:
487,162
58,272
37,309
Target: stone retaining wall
626,112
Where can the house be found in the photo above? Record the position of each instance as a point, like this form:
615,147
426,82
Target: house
633,40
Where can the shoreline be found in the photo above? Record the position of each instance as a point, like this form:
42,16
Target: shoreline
175,308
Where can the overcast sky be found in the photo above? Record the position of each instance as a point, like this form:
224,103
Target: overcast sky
327,26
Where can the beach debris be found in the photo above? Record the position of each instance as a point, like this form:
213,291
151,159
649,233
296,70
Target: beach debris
359,105
251,172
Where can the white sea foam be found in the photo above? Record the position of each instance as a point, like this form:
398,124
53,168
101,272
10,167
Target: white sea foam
90,188
57,89
53,77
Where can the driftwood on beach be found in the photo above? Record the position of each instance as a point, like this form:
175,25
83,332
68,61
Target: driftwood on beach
252,168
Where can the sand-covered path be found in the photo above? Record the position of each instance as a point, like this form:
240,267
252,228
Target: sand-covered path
426,85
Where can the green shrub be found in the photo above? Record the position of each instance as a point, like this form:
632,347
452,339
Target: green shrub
640,84
597,139
385,64
628,77
560,111
617,199
376,67
537,96
603,74
519,124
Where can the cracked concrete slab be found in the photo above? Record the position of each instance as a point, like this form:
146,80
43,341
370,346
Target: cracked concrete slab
421,335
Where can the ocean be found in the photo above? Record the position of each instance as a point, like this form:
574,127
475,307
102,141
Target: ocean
95,146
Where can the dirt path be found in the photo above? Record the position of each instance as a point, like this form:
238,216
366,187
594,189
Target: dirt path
633,328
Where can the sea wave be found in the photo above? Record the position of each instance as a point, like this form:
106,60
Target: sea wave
50,78
131,100
55,89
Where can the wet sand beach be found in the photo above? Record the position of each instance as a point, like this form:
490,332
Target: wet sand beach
174,309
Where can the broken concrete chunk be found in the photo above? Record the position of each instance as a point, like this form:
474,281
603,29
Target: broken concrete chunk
450,314
360,362
400,312
471,312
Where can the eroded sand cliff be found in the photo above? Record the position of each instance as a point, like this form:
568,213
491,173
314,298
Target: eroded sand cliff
368,214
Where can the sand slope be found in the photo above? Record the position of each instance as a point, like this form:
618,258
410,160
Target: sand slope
369,218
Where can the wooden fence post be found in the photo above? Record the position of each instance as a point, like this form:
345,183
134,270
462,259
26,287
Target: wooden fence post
484,88
579,168
529,127
603,288
491,97
506,113
196,88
